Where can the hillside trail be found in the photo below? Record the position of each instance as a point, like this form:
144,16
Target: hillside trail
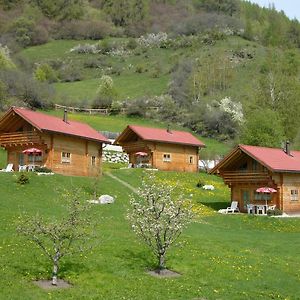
122,182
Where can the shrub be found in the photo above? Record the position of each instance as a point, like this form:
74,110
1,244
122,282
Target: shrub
44,72
70,73
42,170
140,68
200,184
132,44
23,179
105,93
274,212
153,40
80,30
5,60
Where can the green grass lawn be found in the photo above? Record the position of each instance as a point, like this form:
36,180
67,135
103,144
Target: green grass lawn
131,86
223,257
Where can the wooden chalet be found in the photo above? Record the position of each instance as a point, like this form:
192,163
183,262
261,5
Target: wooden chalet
163,149
68,147
247,168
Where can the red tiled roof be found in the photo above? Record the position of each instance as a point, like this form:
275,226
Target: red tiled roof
274,158
162,135
45,122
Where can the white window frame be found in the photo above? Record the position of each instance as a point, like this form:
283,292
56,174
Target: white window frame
93,160
167,157
294,195
66,157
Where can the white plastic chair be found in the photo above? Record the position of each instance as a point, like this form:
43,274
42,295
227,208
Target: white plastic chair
9,168
232,209
250,209
22,168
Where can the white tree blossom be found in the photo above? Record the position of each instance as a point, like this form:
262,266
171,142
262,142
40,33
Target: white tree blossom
235,109
157,218
152,40
59,238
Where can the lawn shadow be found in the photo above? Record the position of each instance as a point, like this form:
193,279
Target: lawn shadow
133,259
216,205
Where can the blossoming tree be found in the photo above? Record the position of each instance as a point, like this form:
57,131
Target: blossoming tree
59,238
157,217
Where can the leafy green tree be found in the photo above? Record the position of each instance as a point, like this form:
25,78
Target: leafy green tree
61,9
126,12
262,128
44,72
5,60
106,93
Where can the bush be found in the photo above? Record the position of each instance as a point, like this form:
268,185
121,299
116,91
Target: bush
70,73
82,30
200,184
274,212
23,87
44,72
132,44
42,170
23,179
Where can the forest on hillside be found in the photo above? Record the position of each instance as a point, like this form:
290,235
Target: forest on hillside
226,69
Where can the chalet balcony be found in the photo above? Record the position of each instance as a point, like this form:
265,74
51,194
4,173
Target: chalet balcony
14,139
245,177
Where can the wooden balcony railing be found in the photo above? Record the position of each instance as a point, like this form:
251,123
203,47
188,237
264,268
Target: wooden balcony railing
19,138
245,177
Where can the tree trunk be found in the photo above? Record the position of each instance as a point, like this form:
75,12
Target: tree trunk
161,262
55,271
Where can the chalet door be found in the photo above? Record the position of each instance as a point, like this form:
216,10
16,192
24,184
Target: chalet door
245,198
21,159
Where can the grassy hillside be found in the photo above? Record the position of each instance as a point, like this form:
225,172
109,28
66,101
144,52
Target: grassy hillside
132,84
224,257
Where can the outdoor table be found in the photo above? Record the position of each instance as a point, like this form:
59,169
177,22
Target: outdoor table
265,208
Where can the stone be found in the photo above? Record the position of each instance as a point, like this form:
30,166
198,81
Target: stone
106,199
208,187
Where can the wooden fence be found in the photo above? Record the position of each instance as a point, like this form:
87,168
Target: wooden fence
100,111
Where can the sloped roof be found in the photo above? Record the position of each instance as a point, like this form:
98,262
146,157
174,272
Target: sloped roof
274,159
162,135
45,122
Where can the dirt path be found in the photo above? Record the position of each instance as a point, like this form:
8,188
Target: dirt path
122,182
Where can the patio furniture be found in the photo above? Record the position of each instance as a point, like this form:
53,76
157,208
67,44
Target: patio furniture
232,209
22,168
9,168
261,209
250,209
31,168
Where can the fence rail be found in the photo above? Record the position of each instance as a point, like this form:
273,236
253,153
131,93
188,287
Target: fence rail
100,111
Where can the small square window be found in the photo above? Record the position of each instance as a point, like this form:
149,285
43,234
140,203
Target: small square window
66,157
191,159
93,160
294,195
167,157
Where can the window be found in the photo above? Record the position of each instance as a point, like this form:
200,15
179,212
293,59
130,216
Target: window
191,159
167,157
35,157
66,157
262,196
294,195
93,160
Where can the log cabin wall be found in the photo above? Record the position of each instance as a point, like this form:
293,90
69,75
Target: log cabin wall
290,198
85,156
182,158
